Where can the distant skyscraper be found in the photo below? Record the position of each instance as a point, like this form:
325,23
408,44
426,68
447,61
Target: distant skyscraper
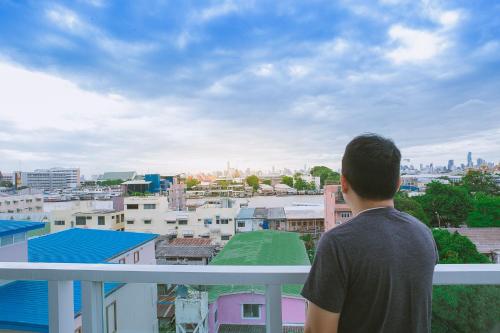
450,165
469,160
480,162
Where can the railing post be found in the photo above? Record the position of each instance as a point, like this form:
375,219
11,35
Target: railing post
92,307
61,307
273,309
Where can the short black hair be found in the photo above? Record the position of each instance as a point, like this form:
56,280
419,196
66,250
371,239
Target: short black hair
371,166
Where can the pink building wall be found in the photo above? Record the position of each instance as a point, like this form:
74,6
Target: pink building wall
229,310
333,208
14,252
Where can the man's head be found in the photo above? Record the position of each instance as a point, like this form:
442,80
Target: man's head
370,168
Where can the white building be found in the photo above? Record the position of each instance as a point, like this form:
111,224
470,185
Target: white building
51,179
21,203
214,219
104,219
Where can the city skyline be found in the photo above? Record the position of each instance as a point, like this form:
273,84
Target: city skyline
195,86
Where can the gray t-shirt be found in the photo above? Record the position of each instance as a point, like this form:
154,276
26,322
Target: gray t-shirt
376,271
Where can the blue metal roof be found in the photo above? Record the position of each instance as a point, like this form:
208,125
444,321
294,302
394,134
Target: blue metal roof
84,245
246,213
9,227
24,304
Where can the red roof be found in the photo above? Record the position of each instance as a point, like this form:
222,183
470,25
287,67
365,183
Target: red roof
190,242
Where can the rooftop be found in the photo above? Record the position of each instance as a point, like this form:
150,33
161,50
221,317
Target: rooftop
485,239
24,304
304,212
260,248
125,175
10,227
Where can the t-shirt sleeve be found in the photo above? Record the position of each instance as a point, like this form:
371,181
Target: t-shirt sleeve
326,284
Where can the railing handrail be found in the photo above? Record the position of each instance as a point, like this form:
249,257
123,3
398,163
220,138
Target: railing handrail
215,274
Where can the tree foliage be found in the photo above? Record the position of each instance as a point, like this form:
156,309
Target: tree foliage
110,182
253,181
267,181
287,180
462,308
486,211
326,175
191,182
446,204
404,203
478,181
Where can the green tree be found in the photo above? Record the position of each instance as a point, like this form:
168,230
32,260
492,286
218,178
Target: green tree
446,204
266,181
6,183
326,175
478,181
299,183
253,181
110,182
191,182
310,246
404,203
287,180
486,211
462,308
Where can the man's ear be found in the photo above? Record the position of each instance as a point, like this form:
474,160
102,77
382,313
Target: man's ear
344,183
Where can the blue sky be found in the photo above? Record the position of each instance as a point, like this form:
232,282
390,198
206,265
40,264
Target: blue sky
177,86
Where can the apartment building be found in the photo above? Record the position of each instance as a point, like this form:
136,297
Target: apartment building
336,209
104,219
51,179
22,202
214,220
127,307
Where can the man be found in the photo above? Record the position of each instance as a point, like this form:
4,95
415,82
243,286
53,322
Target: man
374,272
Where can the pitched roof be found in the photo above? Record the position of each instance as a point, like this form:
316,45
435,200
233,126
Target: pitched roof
190,242
485,239
84,245
125,175
10,227
206,251
265,247
245,213
24,304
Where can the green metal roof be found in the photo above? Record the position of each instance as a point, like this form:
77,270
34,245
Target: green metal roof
260,248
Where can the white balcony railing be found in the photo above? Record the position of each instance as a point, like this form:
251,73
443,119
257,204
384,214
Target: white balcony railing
60,277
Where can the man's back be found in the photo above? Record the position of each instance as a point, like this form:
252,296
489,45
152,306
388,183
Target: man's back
376,271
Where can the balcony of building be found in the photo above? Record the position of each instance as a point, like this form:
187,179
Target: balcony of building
60,277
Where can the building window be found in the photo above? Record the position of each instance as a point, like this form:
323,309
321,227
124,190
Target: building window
188,236
147,221
136,257
111,318
241,224
121,261
183,222
345,214
101,220
6,240
204,236
225,237
130,221
215,316
217,219
19,237
224,221
207,221
250,311
59,222
81,220
149,206
171,221
132,206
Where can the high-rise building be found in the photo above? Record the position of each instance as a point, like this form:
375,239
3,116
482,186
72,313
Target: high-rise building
469,160
480,162
51,179
451,165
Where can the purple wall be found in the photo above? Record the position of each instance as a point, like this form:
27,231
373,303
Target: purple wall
229,310
14,252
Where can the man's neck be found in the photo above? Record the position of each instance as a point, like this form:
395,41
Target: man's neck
365,205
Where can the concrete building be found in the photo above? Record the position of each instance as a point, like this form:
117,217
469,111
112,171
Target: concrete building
120,175
51,179
14,240
252,219
238,308
214,220
104,219
336,210
21,202
128,307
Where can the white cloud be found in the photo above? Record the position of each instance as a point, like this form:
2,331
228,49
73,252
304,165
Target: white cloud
220,9
264,70
415,45
66,19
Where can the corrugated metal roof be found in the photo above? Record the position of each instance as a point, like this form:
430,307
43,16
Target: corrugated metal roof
485,239
9,227
246,213
24,304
